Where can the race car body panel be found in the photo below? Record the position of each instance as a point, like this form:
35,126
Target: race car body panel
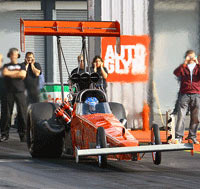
84,128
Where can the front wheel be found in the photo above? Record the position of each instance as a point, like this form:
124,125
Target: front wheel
155,141
101,143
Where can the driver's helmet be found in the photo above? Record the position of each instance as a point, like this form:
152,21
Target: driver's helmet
92,102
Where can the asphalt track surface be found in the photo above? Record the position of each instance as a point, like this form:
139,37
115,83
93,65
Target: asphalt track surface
19,171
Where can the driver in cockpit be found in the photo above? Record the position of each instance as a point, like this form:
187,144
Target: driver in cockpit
92,102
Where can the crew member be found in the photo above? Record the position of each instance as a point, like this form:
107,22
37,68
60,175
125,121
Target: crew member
99,68
14,74
81,65
32,78
2,85
198,58
189,74
2,89
80,70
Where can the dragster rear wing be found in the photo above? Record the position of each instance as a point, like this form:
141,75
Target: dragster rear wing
68,28
129,150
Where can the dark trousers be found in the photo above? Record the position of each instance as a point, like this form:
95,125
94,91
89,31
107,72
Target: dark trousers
3,111
193,102
20,100
33,96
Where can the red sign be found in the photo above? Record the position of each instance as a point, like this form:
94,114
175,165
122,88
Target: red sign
132,64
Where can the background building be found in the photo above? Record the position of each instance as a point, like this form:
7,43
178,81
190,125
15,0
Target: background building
172,24
43,47
133,18
176,29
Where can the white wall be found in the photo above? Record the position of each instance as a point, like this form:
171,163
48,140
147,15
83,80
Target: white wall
19,5
8,32
132,15
10,15
9,27
176,30
71,5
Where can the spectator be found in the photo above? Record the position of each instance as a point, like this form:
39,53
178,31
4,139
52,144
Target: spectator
80,69
175,111
14,74
81,66
2,89
2,85
198,58
32,78
99,68
189,73
43,92
41,81
1,60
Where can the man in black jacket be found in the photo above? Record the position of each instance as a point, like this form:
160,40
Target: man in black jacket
14,75
32,77
81,66
2,90
80,70
2,85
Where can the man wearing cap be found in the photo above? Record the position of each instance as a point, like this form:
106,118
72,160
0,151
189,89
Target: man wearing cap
14,74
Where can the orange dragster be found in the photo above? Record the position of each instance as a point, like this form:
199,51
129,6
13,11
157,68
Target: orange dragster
87,124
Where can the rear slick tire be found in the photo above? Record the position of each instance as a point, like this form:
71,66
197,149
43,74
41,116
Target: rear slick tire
41,142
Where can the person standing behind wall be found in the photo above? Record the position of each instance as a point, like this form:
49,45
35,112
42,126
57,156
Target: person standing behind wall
14,74
2,85
189,73
2,89
79,70
32,78
99,68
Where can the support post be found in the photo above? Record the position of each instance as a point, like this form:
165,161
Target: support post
151,70
94,14
60,67
84,51
48,8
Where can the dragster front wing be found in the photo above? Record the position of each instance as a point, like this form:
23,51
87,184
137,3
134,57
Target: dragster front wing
129,150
